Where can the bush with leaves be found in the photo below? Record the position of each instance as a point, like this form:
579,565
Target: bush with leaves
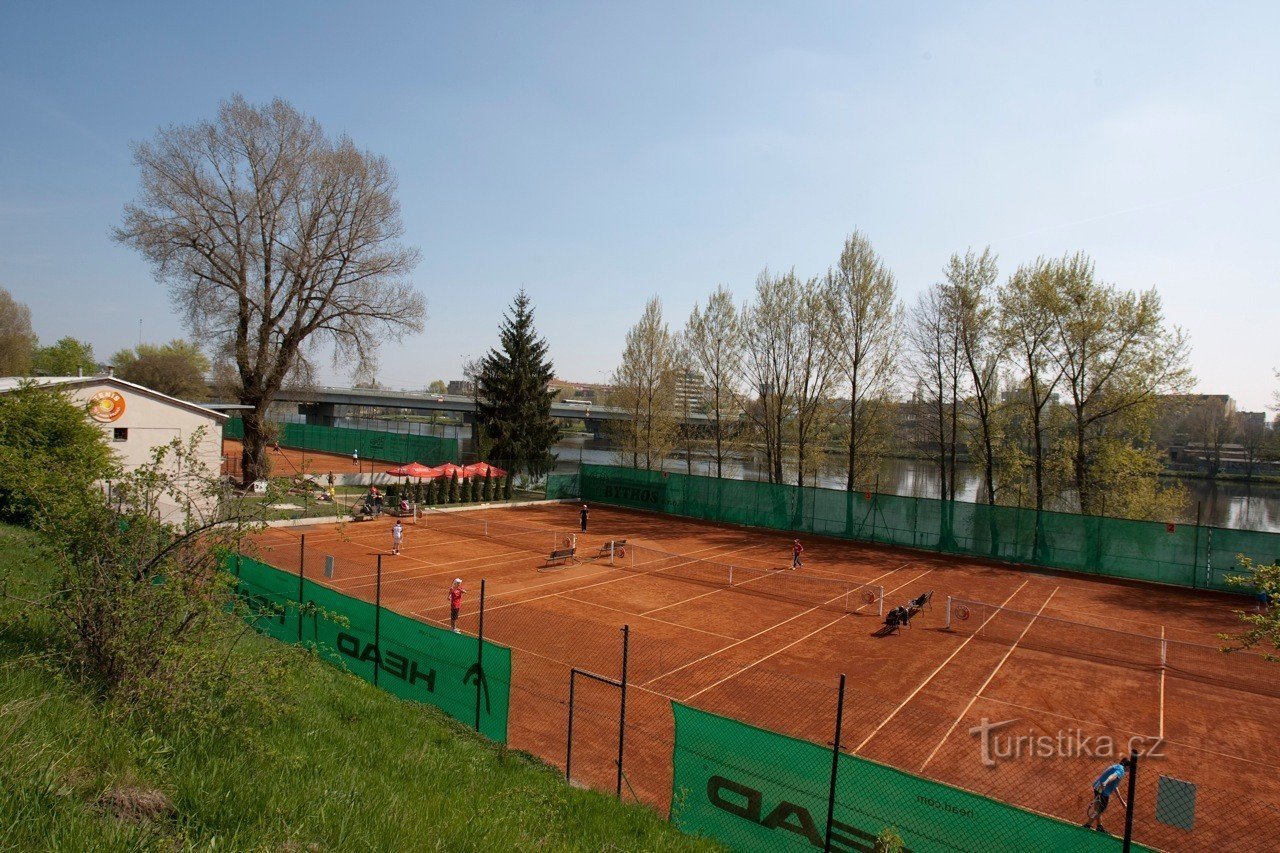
1263,622
138,611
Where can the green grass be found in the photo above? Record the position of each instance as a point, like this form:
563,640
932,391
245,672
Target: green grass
342,767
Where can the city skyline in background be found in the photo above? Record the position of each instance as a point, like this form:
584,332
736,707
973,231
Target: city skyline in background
598,156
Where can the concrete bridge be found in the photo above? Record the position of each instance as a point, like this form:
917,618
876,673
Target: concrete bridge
319,405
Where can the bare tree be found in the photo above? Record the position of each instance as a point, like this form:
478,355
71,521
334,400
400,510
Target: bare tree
866,326
971,279
936,369
815,366
1252,434
714,343
16,338
1116,355
770,364
274,240
645,387
1213,424
1027,327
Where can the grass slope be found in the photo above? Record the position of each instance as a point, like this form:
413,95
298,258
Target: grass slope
345,767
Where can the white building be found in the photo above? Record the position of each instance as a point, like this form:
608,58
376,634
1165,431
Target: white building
136,420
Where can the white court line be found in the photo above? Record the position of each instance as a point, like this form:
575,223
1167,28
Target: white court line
1163,667
922,684
642,616
744,583
625,575
756,663
765,631
999,666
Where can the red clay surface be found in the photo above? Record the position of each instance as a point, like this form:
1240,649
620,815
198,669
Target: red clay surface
913,697
288,461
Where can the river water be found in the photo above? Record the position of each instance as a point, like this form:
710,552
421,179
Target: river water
1220,504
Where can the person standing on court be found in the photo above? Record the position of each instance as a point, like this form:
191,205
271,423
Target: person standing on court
796,550
455,603
583,515
397,535
1103,787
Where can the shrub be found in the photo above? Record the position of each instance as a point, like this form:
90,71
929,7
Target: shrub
487,491
477,490
452,497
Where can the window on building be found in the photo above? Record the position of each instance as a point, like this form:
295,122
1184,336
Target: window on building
121,434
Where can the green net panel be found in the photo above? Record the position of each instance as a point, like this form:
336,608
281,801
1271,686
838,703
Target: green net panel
371,443
756,790
408,658
1184,555
561,486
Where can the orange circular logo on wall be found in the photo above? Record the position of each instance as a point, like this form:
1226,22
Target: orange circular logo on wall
106,406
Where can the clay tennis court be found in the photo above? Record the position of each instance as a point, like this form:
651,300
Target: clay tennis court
288,461
1070,656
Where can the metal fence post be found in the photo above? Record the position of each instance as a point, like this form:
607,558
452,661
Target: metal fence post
377,624
1131,805
1195,557
622,705
568,735
480,655
835,767
302,563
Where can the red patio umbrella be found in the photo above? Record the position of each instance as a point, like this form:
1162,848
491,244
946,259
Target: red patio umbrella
413,469
480,469
446,470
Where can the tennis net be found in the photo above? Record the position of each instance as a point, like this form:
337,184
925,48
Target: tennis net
1240,670
827,593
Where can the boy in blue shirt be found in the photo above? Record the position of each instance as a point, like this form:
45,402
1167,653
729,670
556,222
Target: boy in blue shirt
1103,787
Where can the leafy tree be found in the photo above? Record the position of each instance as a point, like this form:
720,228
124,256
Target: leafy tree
1027,327
644,385
52,455
16,339
513,409
274,240
1116,356
68,357
177,368
1263,624
714,343
867,326
437,386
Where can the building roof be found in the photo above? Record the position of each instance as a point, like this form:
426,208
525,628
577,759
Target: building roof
9,383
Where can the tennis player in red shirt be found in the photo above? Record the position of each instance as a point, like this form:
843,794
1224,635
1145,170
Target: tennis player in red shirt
455,603
796,550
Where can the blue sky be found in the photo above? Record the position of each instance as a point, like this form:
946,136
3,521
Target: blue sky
599,153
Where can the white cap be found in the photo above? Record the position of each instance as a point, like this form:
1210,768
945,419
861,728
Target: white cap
457,580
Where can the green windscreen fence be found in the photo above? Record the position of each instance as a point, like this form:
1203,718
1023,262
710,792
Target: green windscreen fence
1180,554
405,657
756,790
369,443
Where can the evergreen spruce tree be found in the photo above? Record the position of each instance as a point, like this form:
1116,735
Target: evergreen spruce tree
487,492
513,401
453,489
432,492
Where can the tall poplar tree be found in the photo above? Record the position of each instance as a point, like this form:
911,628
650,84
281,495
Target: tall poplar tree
513,405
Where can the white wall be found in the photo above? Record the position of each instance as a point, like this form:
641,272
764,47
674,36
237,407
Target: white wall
151,423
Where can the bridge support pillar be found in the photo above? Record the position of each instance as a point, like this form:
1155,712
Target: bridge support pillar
318,414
